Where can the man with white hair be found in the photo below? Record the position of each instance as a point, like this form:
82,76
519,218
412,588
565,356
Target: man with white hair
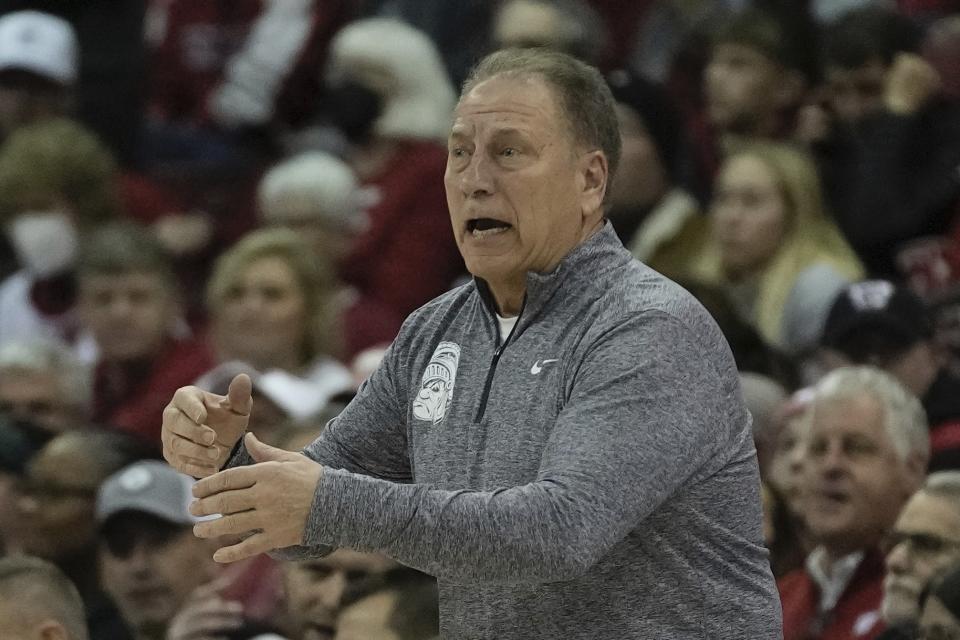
37,601
867,452
924,541
44,385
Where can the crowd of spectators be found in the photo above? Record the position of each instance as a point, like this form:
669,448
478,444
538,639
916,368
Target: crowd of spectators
190,189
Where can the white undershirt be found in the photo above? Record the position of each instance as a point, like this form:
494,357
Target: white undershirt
506,326
834,582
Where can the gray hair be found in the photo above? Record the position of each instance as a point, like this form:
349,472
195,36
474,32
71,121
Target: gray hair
944,484
904,417
585,97
46,356
40,589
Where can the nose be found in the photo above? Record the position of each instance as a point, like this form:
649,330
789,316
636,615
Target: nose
475,179
898,559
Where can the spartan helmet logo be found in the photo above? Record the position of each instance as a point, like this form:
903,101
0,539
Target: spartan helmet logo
436,387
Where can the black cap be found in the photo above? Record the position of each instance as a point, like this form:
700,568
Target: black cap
876,318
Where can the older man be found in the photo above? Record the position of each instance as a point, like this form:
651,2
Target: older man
925,541
867,450
37,601
562,441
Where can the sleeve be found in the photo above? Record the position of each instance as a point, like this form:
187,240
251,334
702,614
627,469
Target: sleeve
645,413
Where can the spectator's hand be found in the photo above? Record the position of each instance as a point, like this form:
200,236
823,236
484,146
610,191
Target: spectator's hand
268,502
200,428
206,615
911,83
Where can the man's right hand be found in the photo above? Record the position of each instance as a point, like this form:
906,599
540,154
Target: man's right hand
200,428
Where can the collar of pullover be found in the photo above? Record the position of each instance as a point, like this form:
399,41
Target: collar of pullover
587,261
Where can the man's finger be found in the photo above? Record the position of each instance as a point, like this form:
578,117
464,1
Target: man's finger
256,544
239,398
236,523
185,448
180,423
225,503
189,400
228,480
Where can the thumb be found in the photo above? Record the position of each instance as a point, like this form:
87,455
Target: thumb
239,395
263,452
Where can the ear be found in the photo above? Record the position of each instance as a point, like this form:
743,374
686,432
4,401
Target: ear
595,173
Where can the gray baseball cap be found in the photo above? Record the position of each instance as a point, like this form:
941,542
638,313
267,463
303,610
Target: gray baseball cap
148,486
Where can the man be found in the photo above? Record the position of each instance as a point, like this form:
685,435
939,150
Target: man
44,387
884,325
128,303
924,541
889,160
150,562
867,451
38,602
38,68
55,513
562,441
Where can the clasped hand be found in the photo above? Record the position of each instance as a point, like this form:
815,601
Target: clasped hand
268,502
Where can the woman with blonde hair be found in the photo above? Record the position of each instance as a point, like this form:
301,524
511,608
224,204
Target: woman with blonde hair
773,247
272,302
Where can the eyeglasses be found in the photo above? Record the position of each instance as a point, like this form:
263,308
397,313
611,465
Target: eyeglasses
922,544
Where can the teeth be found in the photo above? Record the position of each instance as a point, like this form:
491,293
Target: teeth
477,233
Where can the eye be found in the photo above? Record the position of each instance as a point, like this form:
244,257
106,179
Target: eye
509,152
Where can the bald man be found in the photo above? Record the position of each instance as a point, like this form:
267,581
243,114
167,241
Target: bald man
38,602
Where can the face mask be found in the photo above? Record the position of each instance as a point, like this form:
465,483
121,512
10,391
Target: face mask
45,241
353,108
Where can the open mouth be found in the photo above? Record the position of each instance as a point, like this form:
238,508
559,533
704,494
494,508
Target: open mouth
482,227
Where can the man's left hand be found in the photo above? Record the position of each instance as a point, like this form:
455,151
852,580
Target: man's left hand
267,502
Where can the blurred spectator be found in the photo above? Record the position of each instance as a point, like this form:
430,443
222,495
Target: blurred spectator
759,68
782,457
940,619
272,308
44,387
390,96
57,181
924,541
38,602
891,162
941,48
772,247
128,302
16,451
229,66
404,609
570,26
151,564
886,326
38,68
56,509
318,196
660,222
317,589
866,454
780,533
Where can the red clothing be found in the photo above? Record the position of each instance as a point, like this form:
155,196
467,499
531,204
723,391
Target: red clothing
131,397
407,256
856,615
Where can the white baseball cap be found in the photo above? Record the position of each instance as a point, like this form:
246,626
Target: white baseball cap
40,43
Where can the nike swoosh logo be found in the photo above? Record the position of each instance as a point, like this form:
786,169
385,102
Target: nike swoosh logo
538,365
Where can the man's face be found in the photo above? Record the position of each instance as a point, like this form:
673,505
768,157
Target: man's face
36,397
857,92
150,566
56,501
520,193
129,314
741,85
855,481
317,589
924,541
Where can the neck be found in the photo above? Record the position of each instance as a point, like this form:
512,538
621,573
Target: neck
509,297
